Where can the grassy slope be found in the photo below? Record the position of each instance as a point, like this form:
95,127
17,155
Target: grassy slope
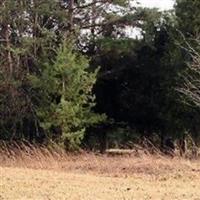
104,178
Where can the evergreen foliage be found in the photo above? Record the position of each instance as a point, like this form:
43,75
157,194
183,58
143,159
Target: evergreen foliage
66,98
106,80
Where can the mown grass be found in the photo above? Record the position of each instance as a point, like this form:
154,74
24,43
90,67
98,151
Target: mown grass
32,184
40,174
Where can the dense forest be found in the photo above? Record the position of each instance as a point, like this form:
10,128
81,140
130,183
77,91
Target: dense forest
100,73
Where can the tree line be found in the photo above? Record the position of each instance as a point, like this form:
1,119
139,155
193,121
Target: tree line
75,72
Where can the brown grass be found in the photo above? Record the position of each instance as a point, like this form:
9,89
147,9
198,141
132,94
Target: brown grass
30,172
114,163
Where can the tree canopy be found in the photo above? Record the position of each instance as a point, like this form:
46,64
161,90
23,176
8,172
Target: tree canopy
69,69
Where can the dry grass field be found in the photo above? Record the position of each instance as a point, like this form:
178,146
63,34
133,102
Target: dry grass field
32,184
95,177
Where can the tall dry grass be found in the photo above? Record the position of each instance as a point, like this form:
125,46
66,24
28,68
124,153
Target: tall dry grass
113,163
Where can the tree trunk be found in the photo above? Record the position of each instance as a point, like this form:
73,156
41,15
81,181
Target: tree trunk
103,142
162,141
182,145
8,46
71,16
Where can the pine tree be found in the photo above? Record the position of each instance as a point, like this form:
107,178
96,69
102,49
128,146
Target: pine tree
67,100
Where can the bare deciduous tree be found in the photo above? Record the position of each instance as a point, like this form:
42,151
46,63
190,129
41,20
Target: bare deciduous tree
191,85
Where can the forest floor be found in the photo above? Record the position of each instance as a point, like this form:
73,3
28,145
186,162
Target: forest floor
97,177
